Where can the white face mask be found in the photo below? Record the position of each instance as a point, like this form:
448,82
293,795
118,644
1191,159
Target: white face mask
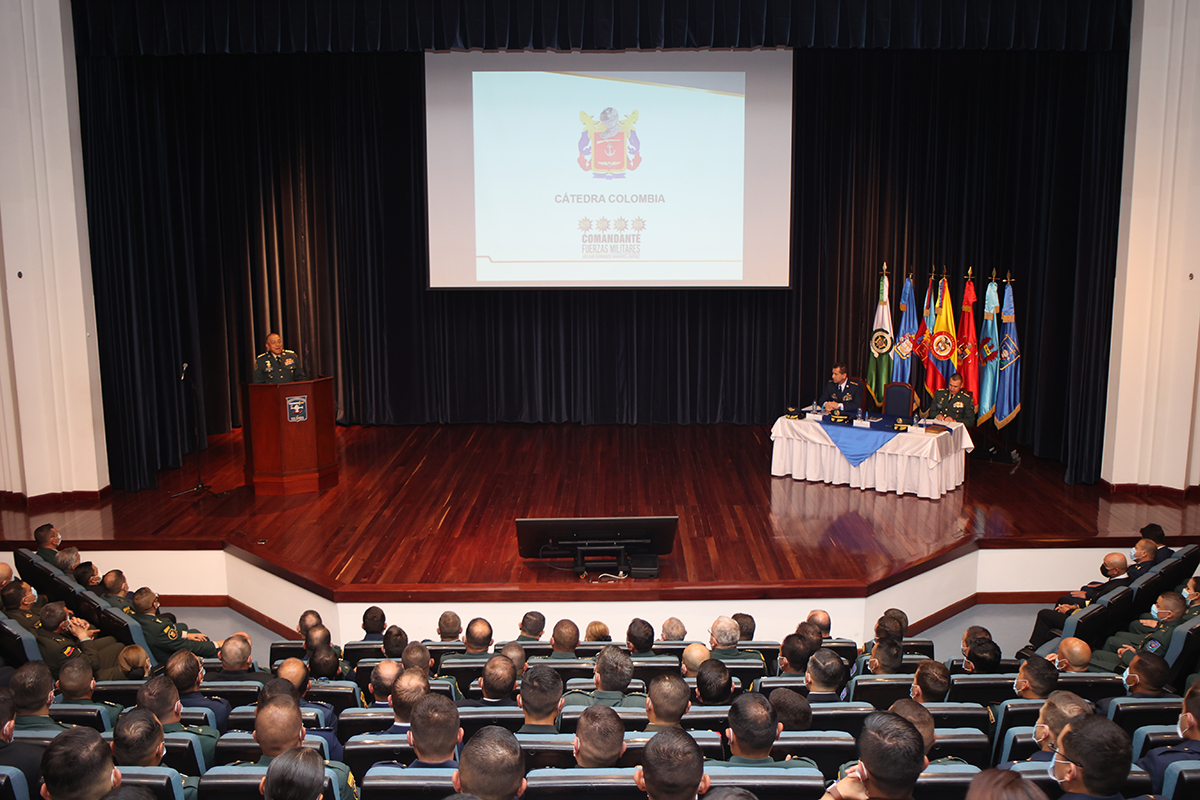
1050,770
912,691
1182,726
1016,689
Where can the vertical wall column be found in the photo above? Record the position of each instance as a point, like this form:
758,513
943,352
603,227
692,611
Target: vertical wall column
51,414
1154,375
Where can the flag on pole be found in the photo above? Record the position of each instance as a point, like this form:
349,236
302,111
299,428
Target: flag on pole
968,349
943,349
1008,388
989,353
879,365
906,341
925,329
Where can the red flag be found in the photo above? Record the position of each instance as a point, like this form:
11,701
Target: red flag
968,349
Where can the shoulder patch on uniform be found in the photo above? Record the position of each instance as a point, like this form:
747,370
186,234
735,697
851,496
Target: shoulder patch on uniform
171,632
1153,646
69,651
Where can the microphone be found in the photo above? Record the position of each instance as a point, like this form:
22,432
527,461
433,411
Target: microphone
184,371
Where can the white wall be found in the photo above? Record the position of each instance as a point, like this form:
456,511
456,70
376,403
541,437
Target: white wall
51,416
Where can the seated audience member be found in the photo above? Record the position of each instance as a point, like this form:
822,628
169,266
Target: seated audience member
811,637
668,700
1157,760
1142,558
983,658
138,742
116,591
319,636
822,621
25,756
1115,569
134,663
672,767
922,720
283,687
886,657
164,636
753,729
374,623
434,732
1146,677
294,671
900,617
61,636
599,738
449,627
1093,759
78,765
48,541
383,677
673,630
564,639
33,693
410,688
792,709
492,766
186,671
891,755
1121,647
885,628
723,639
541,699
746,627
1191,598
6,574
998,784
1036,679
416,656
236,662
639,639
395,642
477,641
613,672
1072,655
794,653
295,774
324,665
1059,707
86,575
1155,533
714,683
516,654
77,683
278,728
693,656
20,600
160,697
498,682
931,682
308,619
971,634
825,677
67,560
532,626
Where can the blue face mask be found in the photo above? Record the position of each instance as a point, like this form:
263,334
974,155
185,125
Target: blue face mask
1050,771
1132,554
1154,611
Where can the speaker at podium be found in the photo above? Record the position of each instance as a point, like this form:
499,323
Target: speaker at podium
289,436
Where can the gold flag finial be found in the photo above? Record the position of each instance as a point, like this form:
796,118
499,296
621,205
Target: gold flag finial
885,268
970,270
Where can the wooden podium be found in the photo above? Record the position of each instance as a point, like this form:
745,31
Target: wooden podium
289,436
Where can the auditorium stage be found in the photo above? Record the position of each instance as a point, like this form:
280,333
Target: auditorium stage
425,513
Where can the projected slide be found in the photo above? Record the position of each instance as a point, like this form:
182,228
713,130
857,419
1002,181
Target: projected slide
609,176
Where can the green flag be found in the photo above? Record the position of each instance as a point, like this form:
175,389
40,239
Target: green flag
879,366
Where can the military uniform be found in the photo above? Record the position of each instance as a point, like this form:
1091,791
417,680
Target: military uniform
726,654
166,637
207,735
26,619
344,782
959,407
282,368
1157,760
39,723
742,761
604,697
1137,627
850,396
1156,642
47,554
100,653
114,709
119,602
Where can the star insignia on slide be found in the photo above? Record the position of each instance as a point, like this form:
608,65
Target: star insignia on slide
585,224
639,224
620,224
602,224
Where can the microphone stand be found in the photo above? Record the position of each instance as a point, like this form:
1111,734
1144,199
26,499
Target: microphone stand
200,489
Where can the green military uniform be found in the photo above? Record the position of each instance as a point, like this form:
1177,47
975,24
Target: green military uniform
344,783
1156,642
114,709
742,761
726,654
959,407
165,638
282,368
604,697
191,787
47,554
39,723
100,653
26,619
1136,627
208,738
119,602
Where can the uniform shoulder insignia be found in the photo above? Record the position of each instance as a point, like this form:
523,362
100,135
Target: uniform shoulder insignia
293,352
1153,646
260,355
69,651
171,632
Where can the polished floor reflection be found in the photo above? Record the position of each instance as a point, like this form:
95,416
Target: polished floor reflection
422,510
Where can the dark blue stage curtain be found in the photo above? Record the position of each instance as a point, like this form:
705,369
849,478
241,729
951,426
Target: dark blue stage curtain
280,185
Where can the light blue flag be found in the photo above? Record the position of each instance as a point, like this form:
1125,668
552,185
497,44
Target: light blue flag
989,354
902,355
1008,388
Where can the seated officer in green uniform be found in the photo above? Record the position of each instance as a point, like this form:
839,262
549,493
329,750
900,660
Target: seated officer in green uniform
753,729
138,741
613,672
279,728
48,541
77,682
19,600
1120,648
277,365
953,404
164,636
160,697
33,692
1191,595
61,636
116,591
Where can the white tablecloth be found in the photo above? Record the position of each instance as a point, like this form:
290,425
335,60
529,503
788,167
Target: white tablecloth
926,464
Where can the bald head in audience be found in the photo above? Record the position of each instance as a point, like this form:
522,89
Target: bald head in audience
1072,655
672,630
693,656
383,677
821,620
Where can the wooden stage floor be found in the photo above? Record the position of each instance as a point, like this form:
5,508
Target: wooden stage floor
426,513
